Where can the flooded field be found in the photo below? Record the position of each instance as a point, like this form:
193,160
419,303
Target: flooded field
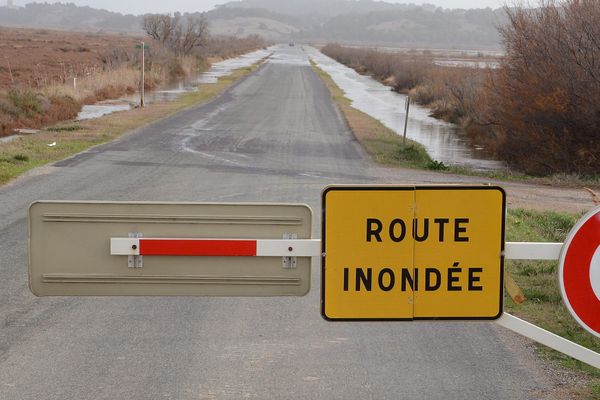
444,141
466,63
171,92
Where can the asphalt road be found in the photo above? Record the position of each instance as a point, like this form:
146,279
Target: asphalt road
274,137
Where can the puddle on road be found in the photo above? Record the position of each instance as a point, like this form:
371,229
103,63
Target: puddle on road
289,55
172,92
226,67
444,141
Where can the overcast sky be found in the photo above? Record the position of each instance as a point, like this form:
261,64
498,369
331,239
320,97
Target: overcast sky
156,6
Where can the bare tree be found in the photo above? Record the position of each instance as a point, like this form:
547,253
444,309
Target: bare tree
183,37
193,35
161,27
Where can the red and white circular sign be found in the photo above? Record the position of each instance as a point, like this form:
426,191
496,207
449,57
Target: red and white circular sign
579,272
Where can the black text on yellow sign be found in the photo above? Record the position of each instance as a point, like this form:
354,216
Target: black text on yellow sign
404,253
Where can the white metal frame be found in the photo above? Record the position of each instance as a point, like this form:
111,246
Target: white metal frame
312,248
513,251
532,251
549,339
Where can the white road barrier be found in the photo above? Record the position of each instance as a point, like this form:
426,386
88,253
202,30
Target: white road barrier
312,247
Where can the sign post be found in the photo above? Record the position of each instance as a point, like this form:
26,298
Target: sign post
143,88
406,109
142,46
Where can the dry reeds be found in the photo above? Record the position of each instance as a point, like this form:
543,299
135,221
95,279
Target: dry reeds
102,85
48,97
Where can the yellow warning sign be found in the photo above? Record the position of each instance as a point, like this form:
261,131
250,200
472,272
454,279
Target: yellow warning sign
406,252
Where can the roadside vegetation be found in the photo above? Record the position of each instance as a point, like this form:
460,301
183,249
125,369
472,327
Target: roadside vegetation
539,110
538,281
382,144
47,76
385,150
68,138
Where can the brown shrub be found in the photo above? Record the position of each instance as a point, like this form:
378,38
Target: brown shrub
109,92
61,108
547,95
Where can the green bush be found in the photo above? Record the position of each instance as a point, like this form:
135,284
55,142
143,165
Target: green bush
25,101
411,153
68,128
21,157
435,165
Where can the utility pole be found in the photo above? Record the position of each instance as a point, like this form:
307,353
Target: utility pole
143,77
407,108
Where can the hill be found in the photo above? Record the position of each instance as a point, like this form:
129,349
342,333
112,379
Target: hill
366,21
68,16
351,22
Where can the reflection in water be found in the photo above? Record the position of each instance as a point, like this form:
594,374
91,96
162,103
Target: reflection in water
444,141
172,92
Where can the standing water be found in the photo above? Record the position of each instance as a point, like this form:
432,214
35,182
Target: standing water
444,141
216,71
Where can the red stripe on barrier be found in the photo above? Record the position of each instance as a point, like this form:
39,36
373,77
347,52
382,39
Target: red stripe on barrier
183,247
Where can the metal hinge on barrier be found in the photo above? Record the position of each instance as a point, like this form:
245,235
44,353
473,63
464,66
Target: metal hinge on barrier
135,261
289,262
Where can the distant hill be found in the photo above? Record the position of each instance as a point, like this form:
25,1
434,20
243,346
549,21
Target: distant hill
247,21
318,8
416,27
367,21
69,17
346,21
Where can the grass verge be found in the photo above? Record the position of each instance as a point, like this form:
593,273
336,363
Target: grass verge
538,280
65,139
383,144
